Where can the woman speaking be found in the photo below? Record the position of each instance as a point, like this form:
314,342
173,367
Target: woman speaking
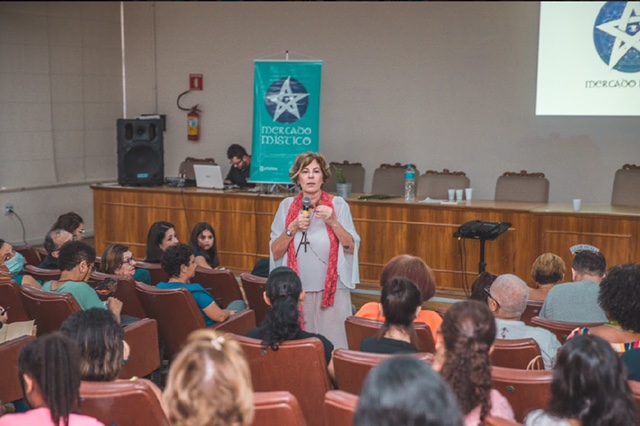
313,234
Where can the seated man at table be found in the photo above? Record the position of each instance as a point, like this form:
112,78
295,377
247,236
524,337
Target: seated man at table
240,165
54,240
508,300
578,301
76,262
179,263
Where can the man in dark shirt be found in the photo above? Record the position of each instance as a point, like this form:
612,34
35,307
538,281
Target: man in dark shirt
240,165
52,243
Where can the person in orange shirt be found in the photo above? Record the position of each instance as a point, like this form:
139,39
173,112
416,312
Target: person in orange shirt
418,272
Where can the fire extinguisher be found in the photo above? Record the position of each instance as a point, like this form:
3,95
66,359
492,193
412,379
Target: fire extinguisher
193,124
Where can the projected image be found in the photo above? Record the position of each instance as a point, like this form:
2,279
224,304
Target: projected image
589,59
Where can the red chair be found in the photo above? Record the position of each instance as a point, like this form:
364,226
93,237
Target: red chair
221,283
277,408
11,389
10,297
131,403
339,408
298,366
254,287
532,310
125,292
358,328
49,309
43,275
526,390
561,329
178,315
31,256
517,353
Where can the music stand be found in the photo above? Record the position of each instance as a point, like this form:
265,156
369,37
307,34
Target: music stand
483,231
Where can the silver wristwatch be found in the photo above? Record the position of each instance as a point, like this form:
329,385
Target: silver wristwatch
289,233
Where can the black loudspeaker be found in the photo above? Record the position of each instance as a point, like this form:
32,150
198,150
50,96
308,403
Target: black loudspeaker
140,152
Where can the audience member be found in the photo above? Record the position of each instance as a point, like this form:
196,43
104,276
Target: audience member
462,358
4,318
620,299
71,222
52,243
547,271
240,167
415,270
209,383
76,263
179,263
578,301
406,391
117,259
284,295
508,300
161,236
480,286
12,266
205,245
589,388
49,369
103,351
401,303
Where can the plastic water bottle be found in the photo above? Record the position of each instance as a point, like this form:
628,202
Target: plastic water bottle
410,184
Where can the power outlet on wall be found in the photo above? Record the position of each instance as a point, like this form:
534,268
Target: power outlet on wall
8,209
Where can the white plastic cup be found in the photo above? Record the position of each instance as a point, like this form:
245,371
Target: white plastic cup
467,193
459,194
452,194
577,202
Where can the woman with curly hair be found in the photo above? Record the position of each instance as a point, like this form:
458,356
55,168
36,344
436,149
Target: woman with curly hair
205,245
463,360
589,388
284,294
619,298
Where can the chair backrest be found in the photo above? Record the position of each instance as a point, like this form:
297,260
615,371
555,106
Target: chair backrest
352,367
339,408
560,328
10,296
43,275
277,408
522,186
517,353
389,179
532,310
526,390
435,185
280,371
254,287
158,275
125,292
11,389
222,284
358,328
122,402
49,309
142,337
31,255
175,310
625,186
353,174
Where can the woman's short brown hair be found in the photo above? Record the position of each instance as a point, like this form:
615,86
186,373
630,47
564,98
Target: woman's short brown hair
412,268
548,268
210,383
112,258
306,158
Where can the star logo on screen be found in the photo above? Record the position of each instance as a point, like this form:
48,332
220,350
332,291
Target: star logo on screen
286,100
616,35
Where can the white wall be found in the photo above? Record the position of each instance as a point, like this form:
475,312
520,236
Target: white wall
440,84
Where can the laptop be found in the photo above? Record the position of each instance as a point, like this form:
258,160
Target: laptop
208,176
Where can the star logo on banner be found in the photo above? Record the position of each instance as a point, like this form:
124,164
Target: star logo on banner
288,101
623,37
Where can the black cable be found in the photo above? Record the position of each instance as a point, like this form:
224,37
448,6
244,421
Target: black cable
178,101
463,256
24,231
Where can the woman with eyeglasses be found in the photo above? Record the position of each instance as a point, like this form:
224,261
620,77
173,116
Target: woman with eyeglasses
118,260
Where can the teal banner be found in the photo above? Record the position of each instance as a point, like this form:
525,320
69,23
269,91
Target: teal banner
286,116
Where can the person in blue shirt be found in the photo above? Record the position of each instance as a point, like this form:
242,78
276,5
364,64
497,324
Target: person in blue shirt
179,263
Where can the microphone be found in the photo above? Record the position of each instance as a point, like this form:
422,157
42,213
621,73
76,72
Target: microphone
306,205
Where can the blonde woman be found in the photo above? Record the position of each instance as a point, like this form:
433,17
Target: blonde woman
209,383
547,271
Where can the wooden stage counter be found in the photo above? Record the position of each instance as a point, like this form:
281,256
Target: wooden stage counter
242,222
